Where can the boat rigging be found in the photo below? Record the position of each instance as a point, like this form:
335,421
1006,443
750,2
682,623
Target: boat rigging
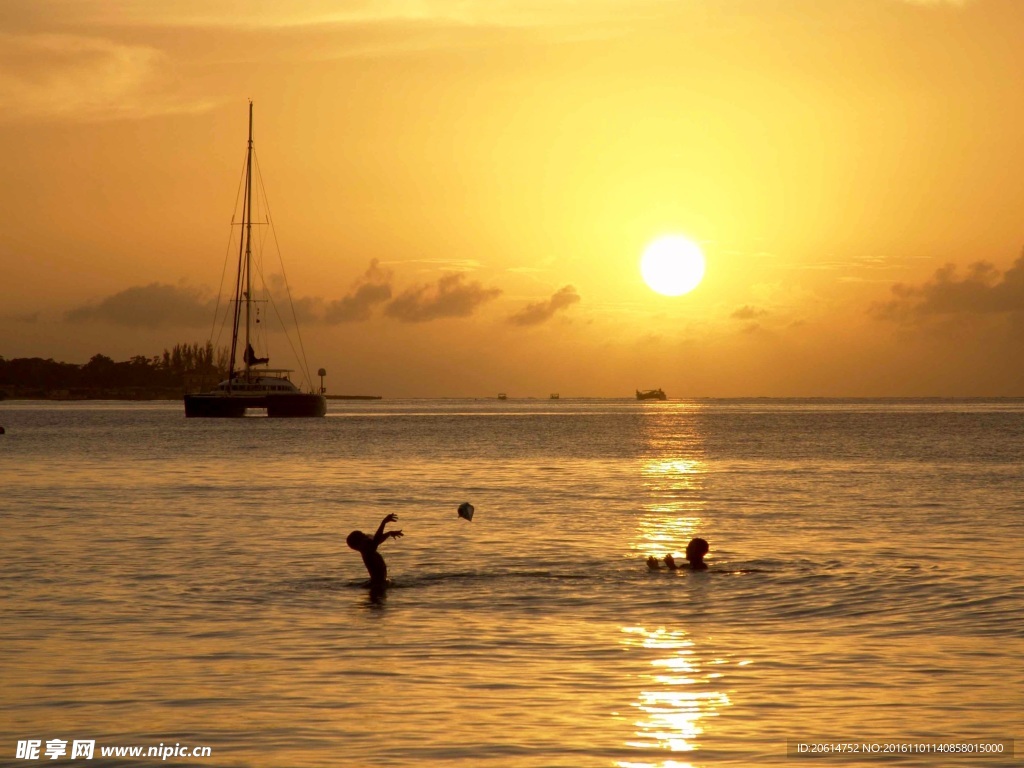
254,385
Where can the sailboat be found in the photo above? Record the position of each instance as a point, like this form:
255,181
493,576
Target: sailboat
254,385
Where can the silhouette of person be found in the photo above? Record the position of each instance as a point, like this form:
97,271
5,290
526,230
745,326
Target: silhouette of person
367,547
695,552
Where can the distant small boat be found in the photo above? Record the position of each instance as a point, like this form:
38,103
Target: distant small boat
554,395
502,396
651,394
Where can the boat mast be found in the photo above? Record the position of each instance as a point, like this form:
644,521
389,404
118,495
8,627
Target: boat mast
248,239
243,281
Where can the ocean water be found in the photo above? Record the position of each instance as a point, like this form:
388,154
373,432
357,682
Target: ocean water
186,582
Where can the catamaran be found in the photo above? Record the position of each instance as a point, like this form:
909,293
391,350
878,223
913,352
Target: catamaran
254,385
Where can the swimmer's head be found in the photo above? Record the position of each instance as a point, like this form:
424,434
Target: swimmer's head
356,539
696,550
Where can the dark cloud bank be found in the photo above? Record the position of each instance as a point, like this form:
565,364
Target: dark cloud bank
149,306
159,305
981,291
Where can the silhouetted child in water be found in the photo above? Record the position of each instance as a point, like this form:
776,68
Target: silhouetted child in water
367,547
695,552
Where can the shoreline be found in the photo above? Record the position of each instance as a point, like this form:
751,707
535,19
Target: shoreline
151,396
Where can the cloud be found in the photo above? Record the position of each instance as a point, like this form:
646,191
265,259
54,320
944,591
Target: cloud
159,305
308,309
273,14
954,3
151,306
542,311
748,312
371,289
981,291
29,318
61,76
451,296
463,265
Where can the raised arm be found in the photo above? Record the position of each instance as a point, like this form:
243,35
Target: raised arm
379,537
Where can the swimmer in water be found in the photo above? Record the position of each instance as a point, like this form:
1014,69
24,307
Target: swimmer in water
695,552
367,547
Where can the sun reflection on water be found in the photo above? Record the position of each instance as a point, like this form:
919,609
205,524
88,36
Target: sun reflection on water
672,481
673,509
678,695
679,689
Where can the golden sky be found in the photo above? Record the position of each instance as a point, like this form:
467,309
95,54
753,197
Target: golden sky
462,189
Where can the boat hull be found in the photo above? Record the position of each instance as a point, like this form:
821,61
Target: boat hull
651,394
233,406
296,406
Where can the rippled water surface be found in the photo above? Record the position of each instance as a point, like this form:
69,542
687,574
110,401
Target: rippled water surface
172,581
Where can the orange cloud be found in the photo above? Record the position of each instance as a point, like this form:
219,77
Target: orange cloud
542,311
371,289
451,296
61,76
748,312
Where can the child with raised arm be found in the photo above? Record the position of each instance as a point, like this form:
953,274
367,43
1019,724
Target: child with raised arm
367,547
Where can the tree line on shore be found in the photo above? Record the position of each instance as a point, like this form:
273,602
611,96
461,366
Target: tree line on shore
167,375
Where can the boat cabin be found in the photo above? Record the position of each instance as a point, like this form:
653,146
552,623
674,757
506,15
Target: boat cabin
260,383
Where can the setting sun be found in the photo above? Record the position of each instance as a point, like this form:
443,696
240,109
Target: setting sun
672,265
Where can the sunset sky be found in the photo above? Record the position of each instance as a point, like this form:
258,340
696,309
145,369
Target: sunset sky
462,189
